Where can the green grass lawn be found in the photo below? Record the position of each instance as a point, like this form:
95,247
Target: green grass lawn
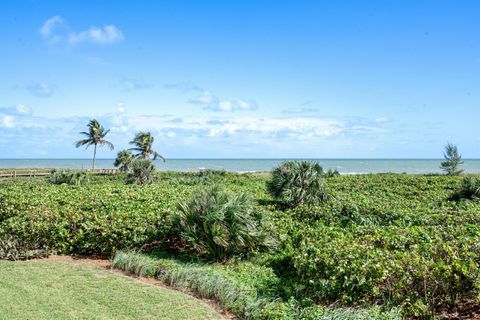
67,290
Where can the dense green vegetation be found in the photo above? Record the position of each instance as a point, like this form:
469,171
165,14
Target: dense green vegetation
32,290
383,240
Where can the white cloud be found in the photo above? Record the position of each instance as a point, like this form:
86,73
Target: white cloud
381,120
120,107
260,129
48,27
42,90
128,84
22,109
213,103
196,134
106,35
8,121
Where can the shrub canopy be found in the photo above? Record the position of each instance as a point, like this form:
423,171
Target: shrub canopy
297,182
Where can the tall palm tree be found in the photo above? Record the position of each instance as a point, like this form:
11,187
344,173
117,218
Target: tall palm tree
143,146
95,136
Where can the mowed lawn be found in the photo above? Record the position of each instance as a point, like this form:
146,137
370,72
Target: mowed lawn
70,290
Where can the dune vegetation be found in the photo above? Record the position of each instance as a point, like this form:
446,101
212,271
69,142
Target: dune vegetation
376,246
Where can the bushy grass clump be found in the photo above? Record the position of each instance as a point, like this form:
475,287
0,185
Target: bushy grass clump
69,177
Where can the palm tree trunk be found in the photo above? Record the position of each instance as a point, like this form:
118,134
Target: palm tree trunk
94,156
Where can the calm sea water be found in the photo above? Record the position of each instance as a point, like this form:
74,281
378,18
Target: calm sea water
246,165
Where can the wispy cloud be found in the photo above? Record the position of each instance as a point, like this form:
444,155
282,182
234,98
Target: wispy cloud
48,28
183,86
42,90
300,110
50,31
382,120
7,121
210,101
129,84
19,109
107,35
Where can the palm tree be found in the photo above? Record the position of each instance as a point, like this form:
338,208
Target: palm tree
143,146
95,136
124,160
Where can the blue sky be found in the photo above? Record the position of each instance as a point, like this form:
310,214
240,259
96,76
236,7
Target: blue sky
242,79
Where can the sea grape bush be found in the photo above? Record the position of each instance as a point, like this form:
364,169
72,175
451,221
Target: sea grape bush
93,218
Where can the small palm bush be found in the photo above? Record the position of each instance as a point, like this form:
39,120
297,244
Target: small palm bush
468,189
124,160
297,182
142,172
69,177
218,225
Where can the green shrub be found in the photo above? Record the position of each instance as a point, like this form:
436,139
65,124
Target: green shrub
87,219
14,248
469,189
219,225
210,172
69,177
297,182
331,173
142,172
124,160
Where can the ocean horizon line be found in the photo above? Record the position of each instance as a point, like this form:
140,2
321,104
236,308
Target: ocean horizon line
281,158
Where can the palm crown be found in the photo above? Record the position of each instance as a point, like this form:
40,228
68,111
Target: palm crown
95,136
143,142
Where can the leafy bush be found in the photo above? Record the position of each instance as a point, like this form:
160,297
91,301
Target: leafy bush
297,182
87,219
469,189
142,172
219,225
13,248
68,177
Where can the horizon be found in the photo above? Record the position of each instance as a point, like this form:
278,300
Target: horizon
281,158
214,80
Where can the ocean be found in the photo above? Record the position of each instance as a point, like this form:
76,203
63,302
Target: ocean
345,166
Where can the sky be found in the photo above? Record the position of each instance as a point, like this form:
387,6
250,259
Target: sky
242,79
